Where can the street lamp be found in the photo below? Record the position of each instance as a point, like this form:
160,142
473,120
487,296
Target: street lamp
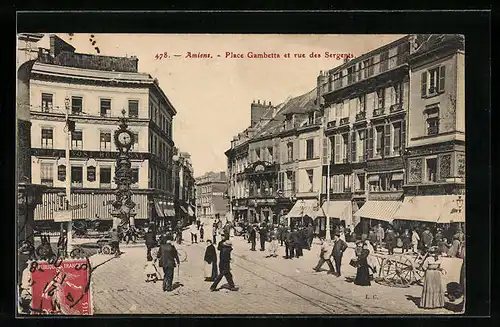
460,203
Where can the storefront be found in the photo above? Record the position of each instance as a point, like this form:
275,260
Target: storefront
164,213
339,212
304,211
375,212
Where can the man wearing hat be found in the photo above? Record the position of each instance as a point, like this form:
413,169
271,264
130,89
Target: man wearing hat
224,267
169,258
339,246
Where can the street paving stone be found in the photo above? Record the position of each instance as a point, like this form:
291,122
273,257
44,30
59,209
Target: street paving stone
266,286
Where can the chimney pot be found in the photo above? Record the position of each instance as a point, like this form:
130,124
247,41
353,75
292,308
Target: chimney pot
258,101
269,103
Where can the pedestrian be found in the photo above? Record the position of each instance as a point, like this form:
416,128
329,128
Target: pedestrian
198,223
178,232
310,235
273,244
380,234
150,240
210,259
433,290
342,233
225,267
302,240
347,232
415,238
25,289
372,261
390,240
169,259
289,245
115,242
427,239
362,272
221,243
263,236
214,233
253,237
150,270
227,230
339,247
281,232
406,238
454,249
194,233
372,236
202,232
323,257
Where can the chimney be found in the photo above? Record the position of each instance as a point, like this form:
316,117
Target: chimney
136,63
58,45
270,103
258,101
346,59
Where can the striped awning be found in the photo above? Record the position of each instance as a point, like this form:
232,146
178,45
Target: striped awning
304,207
338,209
169,212
88,206
431,208
190,211
159,208
380,210
183,209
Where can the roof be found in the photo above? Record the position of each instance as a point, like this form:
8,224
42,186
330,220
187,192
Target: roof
297,105
428,42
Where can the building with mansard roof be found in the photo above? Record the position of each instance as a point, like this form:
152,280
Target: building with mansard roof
96,89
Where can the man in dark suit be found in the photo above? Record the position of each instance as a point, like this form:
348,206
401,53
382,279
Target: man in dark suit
169,258
339,246
150,239
225,267
310,235
287,235
263,236
296,242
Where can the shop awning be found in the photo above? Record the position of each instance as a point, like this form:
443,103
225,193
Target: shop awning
304,207
169,212
431,208
380,210
183,209
337,209
159,208
190,211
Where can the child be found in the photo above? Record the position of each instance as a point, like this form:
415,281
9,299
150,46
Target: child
150,270
202,232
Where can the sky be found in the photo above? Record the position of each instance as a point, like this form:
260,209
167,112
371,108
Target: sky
213,96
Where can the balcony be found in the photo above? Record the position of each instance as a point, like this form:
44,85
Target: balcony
361,115
331,124
378,112
344,121
396,107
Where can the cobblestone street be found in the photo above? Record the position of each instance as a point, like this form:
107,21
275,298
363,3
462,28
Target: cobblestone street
266,286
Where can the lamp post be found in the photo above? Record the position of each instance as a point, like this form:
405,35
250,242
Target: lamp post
68,177
302,205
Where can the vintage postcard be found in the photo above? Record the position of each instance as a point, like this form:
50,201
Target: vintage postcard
210,174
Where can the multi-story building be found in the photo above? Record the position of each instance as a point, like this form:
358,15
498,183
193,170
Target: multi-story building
96,90
366,103
185,187
211,197
436,130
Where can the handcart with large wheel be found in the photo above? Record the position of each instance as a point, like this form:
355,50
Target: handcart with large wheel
400,270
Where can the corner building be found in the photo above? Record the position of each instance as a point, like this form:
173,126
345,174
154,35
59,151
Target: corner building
97,89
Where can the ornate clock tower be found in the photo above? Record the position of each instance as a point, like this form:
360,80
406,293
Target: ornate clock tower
123,205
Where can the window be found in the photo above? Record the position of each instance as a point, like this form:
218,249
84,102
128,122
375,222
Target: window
135,175
289,148
347,183
270,154
136,140
76,105
398,94
105,108
385,182
310,149
345,149
61,173
359,184
431,165
310,177
387,140
361,104
432,126
47,174
368,67
47,138
380,98
337,80
379,140
337,183
433,81
105,141
77,140
105,177
351,74
397,138
133,108
384,62
47,103
338,149
91,173
76,176
360,144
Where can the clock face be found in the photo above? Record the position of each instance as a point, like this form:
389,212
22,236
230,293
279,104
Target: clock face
124,138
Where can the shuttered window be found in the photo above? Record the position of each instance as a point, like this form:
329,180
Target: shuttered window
387,140
423,84
354,158
325,151
338,148
403,135
441,78
369,143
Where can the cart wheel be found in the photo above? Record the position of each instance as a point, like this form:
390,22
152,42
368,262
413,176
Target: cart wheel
106,249
397,271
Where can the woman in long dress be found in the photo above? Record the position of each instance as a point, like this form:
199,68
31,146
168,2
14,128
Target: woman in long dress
372,261
210,262
433,291
363,274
